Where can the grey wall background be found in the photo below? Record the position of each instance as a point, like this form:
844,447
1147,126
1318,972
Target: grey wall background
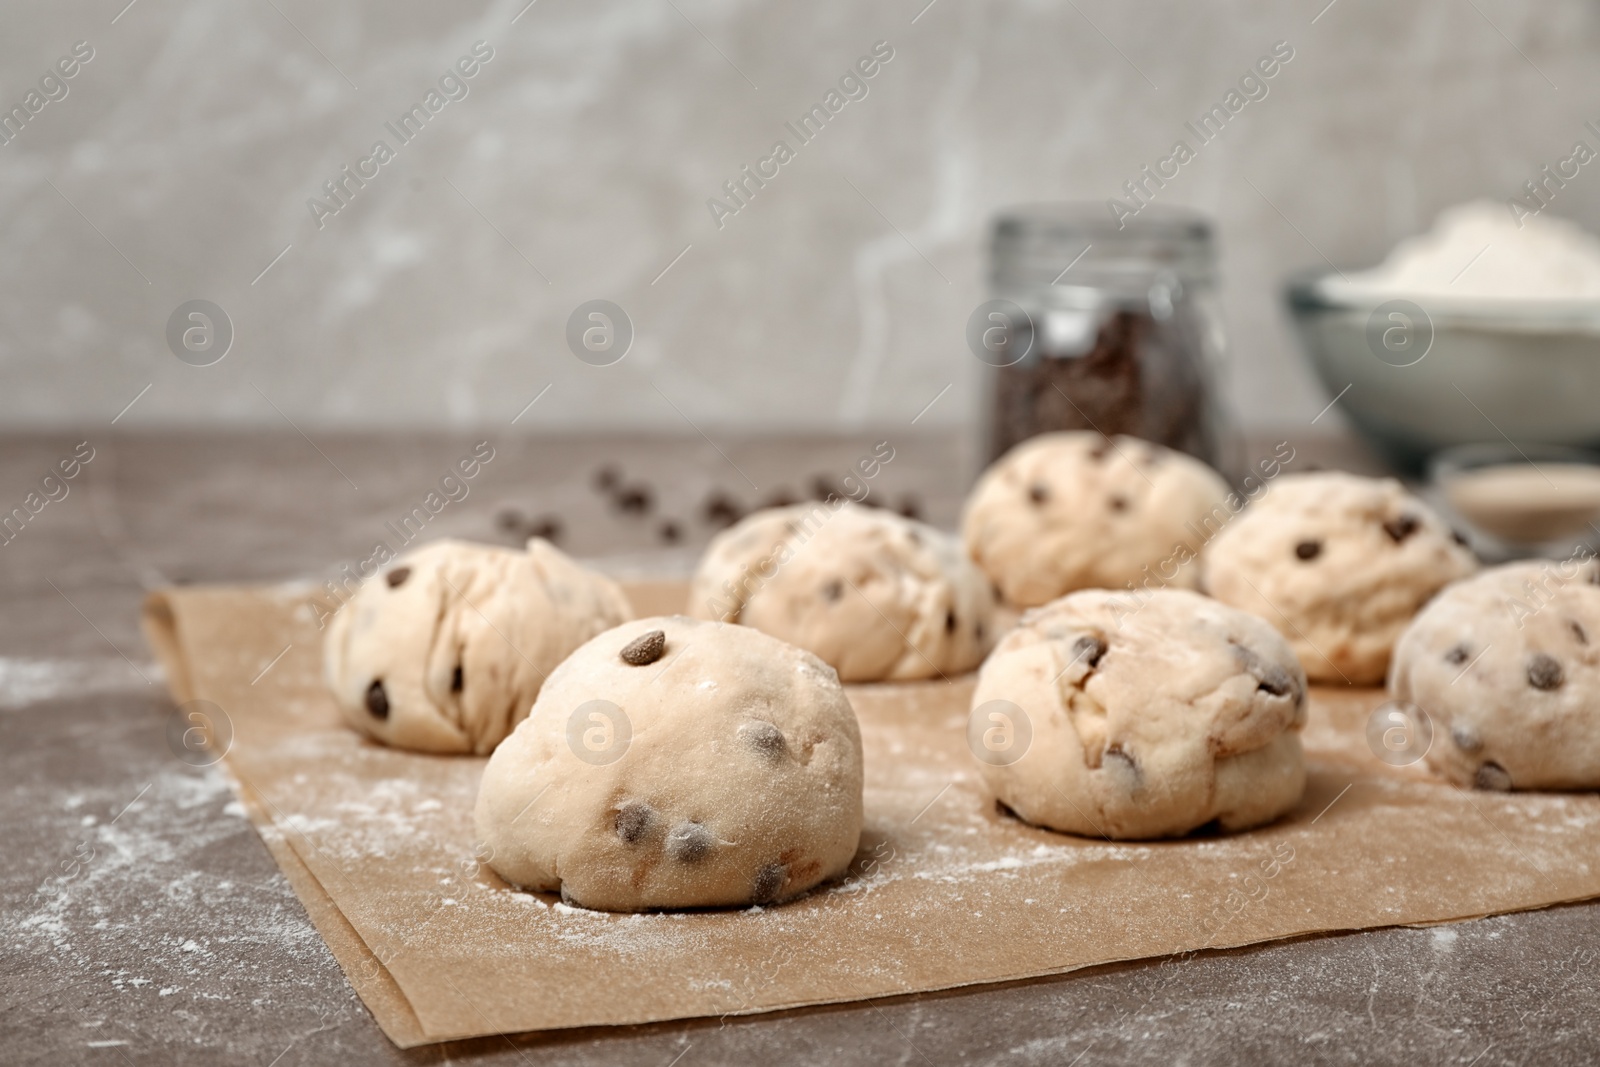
180,163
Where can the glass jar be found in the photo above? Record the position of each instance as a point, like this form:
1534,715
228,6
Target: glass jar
1093,327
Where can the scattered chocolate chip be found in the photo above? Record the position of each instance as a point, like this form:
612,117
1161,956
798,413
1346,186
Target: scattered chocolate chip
781,499
607,478
763,737
1089,649
769,883
689,842
1578,631
1457,655
1119,503
1038,492
1308,550
669,532
910,507
548,527
720,509
634,820
635,500
644,649
377,700
1459,538
1492,776
833,590
1466,740
1401,528
1269,677
1544,672
949,622
397,576
457,680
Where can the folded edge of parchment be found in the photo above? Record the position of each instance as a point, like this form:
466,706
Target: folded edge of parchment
362,969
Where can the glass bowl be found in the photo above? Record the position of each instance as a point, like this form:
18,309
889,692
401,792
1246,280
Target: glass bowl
1519,501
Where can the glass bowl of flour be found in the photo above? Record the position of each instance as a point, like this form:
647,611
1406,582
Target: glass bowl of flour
1485,329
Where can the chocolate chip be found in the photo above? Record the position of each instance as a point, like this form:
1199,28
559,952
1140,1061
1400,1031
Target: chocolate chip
1458,537
634,820
1270,677
377,700
689,842
669,532
1578,631
1544,672
910,507
1466,740
781,499
1457,655
720,509
949,622
1101,449
769,883
456,680
1038,492
763,737
607,478
1401,528
635,500
397,576
833,590
644,649
547,526
1308,550
1089,649
1119,503
1492,776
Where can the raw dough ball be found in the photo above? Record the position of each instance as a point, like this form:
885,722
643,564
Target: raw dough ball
1067,511
875,595
1507,667
673,763
446,651
1141,722
1340,564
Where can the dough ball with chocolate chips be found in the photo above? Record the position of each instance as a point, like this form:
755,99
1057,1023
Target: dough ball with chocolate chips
877,595
1507,667
1339,564
446,650
1111,715
1067,511
675,763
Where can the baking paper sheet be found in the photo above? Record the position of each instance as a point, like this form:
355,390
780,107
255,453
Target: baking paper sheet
945,891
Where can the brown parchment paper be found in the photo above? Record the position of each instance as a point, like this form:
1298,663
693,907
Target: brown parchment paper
945,891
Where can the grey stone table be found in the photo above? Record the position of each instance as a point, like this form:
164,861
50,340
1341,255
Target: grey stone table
144,921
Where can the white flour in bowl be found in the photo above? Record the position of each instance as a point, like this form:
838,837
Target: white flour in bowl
1476,252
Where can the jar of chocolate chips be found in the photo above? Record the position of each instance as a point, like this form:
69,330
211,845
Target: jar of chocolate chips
1097,325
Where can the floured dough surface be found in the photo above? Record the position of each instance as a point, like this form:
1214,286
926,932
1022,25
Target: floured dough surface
877,596
1102,717
446,650
1066,511
1507,667
1340,564
676,763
